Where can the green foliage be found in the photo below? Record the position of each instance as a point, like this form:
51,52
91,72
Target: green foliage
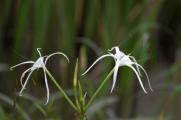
83,29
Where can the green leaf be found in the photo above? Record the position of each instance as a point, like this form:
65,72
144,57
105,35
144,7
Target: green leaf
3,115
21,25
75,74
41,19
75,85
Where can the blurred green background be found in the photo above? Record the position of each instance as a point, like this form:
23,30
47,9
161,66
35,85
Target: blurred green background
149,29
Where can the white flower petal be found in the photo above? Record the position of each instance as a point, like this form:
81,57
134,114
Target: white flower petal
27,62
56,53
137,77
22,76
107,55
117,50
47,88
134,60
116,68
145,74
38,49
111,49
113,56
24,85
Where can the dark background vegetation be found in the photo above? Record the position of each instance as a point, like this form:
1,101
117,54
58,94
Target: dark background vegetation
149,29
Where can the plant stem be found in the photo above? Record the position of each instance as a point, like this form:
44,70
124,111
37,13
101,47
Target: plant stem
98,89
61,90
82,118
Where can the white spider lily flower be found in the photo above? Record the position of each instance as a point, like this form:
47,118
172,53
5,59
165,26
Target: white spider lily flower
123,60
39,63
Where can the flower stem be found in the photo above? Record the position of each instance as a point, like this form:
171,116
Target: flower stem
98,89
61,90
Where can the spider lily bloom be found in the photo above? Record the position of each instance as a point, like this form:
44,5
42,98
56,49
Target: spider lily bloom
39,63
123,60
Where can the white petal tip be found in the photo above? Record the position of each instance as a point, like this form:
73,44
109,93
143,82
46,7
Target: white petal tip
46,103
11,68
20,94
111,90
83,74
67,59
